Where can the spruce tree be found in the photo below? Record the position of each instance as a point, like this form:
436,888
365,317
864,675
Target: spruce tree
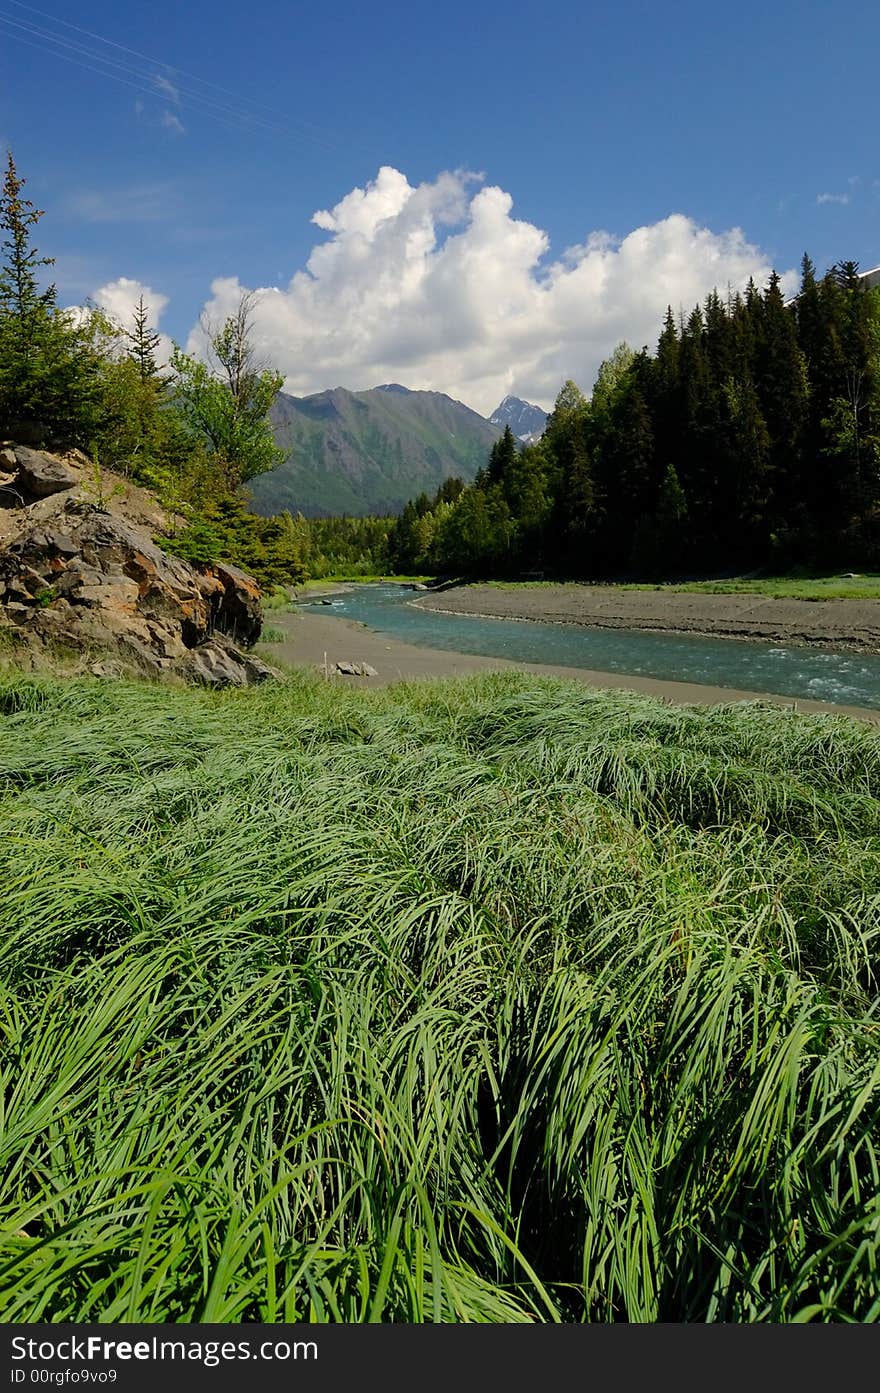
49,365
623,467
143,342
781,380
578,512
24,308
20,295
660,539
664,393
753,430
811,341
502,461
852,422
697,468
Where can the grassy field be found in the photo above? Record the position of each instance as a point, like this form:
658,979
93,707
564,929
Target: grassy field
501,1000
835,587
346,578
825,587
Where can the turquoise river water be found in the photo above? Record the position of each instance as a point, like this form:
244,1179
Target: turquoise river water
844,678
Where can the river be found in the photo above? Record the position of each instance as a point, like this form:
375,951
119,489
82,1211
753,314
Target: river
842,678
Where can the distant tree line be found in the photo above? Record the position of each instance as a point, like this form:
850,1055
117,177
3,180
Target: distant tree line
750,437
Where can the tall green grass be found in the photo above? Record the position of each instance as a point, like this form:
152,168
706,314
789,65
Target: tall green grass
500,1000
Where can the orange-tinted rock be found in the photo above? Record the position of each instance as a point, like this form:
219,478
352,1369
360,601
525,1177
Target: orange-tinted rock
238,612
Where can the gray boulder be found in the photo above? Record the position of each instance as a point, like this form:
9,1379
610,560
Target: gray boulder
40,475
218,663
356,670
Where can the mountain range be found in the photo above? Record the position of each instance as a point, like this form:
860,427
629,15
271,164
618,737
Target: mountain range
368,453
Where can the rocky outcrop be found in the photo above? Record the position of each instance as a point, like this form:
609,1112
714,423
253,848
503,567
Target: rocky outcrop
236,608
81,576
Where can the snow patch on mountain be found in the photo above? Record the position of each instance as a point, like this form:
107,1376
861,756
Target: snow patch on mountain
525,420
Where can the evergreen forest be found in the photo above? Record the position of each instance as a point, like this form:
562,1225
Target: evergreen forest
749,439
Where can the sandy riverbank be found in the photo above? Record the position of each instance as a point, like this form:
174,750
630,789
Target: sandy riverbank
843,625
311,636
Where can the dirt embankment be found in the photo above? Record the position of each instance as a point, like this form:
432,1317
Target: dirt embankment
844,625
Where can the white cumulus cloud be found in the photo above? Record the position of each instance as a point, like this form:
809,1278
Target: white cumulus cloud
832,198
440,286
119,299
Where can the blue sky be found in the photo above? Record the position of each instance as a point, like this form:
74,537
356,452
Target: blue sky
188,147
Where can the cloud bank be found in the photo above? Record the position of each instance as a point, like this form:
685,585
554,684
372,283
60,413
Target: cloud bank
440,286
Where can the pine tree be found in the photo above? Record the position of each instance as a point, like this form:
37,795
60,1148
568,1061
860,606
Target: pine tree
660,540
852,421
49,365
577,513
24,308
697,468
663,389
19,289
144,343
781,381
502,461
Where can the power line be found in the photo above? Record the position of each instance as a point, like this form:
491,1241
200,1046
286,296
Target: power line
135,53
79,54
87,56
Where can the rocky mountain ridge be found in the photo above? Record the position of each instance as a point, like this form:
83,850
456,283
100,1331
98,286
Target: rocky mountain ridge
526,420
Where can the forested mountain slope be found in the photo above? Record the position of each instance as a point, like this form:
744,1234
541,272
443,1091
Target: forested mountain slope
367,452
